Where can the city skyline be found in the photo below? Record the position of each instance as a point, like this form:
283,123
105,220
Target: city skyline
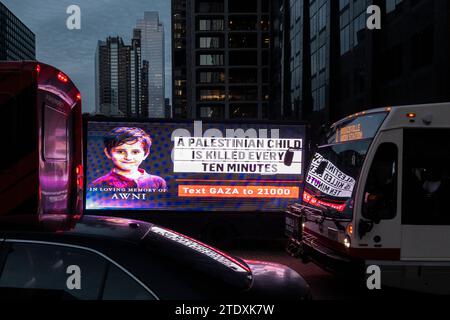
73,51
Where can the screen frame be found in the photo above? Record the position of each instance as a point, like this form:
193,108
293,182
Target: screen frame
138,214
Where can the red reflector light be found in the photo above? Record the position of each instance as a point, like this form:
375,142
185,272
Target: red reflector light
62,77
78,97
80,182
79,172
38,68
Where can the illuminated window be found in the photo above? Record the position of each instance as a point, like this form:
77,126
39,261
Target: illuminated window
212,95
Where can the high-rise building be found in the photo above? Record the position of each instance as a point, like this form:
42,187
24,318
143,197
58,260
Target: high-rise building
221,59
120,78
339,67
406,62
17,41
179,59
152,41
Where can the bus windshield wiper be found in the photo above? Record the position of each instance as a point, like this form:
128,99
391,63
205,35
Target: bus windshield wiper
331,214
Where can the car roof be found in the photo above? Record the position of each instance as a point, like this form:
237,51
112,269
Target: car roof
111,227
163,242
88,226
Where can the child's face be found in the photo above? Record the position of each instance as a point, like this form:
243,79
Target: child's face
128,156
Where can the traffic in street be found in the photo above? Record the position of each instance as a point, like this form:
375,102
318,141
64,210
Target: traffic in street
224,150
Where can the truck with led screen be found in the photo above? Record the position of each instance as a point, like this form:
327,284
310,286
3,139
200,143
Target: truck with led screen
162,166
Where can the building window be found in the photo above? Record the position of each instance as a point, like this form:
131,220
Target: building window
322,58
323,17
313,26
242,23
210,42
210,25
359,25
242,6
391,5
244,111
246,75
204,6
211,59
211,112
314,64
345,39
343,4
243,58
245,40
211,77
322,97
211,95
243,93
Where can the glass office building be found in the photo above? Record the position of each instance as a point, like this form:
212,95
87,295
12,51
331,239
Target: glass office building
17,41
152,41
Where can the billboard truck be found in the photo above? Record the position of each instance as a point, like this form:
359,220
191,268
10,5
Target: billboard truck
41,124
216,181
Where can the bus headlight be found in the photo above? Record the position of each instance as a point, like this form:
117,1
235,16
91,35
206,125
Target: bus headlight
347,242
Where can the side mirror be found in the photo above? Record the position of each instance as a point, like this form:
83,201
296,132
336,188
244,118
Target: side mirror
288,158
364,227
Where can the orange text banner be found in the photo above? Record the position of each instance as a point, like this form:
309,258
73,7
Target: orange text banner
210,191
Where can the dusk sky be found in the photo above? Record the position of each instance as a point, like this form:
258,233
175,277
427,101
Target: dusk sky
73,51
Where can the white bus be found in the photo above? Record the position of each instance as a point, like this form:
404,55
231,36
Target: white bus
377,192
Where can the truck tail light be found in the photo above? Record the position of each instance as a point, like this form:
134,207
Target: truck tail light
62,77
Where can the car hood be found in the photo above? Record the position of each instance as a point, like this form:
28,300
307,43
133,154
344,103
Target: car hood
273,281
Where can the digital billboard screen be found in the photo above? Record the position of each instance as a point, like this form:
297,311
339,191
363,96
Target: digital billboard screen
192,166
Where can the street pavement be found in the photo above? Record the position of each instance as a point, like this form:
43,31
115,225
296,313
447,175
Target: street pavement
324,285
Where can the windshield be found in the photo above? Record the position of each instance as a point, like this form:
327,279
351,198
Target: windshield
332,177
335,168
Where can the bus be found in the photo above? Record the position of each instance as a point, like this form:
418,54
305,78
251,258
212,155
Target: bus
376,193
41,168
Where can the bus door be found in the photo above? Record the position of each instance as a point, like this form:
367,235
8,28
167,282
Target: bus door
55,155
378,206
426,195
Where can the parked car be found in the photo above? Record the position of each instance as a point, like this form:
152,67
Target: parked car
103,258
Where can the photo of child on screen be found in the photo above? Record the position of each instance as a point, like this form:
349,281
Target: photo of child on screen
127,148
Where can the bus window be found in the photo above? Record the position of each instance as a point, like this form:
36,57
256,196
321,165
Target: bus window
380,193
426,180
55,135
